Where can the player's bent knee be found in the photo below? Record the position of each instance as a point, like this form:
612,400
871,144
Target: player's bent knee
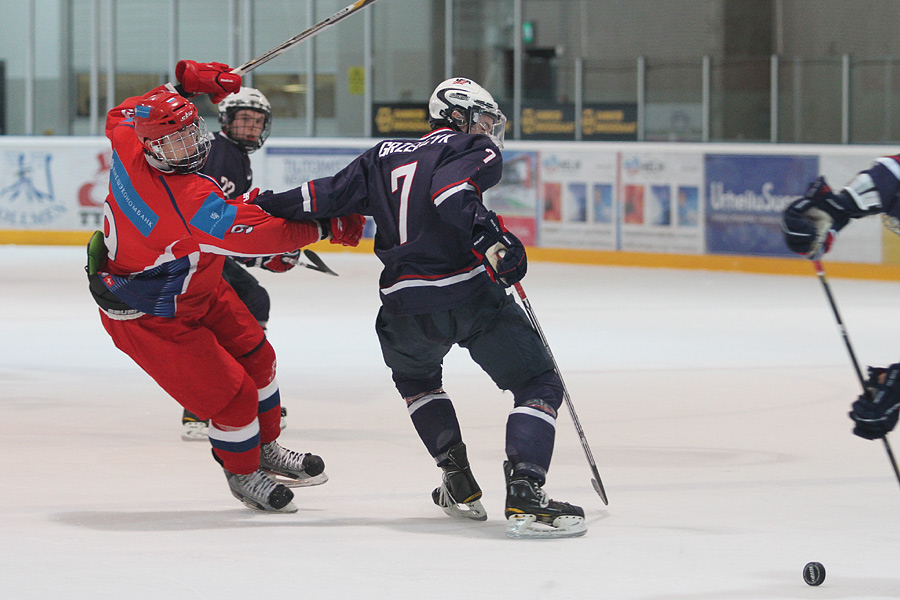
260,364
546,388
241,409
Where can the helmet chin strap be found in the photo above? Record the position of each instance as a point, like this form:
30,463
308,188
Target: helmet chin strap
156,163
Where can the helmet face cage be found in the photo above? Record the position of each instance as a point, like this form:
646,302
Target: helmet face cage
185,150
245,135
490,122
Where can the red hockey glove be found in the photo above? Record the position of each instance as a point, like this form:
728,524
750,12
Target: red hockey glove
347,230
249,197
279,263
207,78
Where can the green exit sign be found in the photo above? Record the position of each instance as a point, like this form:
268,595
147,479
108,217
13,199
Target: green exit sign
528,32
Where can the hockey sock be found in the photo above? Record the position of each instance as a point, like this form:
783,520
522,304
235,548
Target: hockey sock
269,413
435,421
531,426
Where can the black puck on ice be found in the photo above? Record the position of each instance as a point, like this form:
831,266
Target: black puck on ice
814,573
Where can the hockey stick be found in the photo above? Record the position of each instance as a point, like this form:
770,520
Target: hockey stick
820,271
315,263
300,37
595,480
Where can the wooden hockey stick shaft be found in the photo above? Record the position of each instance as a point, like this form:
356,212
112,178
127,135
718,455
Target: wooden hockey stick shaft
596,482
301,37
820,271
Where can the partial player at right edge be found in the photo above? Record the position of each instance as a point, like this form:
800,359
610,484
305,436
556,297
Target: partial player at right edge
445,259
810,225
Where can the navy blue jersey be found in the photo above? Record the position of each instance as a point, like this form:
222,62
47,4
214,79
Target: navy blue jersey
885,177
229,166
425,197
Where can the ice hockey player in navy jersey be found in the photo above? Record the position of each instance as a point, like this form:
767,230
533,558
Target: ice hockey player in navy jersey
810,225
447,259
245,118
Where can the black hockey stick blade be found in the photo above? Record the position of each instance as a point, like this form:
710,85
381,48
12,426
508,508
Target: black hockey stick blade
317,263
601,491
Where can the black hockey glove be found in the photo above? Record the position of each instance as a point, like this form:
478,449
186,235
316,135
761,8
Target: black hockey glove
810,223
875,413
501,252
97,259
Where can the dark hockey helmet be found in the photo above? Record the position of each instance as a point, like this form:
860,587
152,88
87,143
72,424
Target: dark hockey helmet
463,105
249,135
174,135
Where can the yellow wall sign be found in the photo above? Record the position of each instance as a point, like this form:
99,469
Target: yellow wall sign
400,119
356,81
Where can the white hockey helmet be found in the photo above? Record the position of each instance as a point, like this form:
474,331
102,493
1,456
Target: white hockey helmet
246,98
463,105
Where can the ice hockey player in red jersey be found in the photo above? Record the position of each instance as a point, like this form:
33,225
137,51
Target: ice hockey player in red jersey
446,261
246,120
157,275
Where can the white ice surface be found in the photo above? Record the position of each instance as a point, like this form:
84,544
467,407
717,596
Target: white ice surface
715,405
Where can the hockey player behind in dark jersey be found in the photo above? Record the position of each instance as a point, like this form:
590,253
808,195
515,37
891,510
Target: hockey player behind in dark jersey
810,225
447,260
245,118
156,273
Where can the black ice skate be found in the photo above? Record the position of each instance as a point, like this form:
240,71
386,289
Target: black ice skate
260,492
293,469
459,494
531,514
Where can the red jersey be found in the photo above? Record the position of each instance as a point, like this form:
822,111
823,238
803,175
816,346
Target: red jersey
167,234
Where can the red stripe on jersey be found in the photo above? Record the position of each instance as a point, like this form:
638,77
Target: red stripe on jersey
434,277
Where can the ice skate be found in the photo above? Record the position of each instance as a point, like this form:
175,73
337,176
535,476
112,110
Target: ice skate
283,418
293,469
530,513
459,494
194,429
260,492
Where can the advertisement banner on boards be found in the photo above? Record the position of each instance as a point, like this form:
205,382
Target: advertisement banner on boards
660,202
44,186
577,200
745,196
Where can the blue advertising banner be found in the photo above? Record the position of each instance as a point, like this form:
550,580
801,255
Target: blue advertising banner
745,196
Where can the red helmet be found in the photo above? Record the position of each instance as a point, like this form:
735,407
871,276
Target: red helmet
171,131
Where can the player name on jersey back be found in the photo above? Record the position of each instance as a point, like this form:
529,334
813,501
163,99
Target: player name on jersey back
395,146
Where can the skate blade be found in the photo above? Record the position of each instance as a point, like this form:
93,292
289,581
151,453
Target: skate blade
528,527
195,435
288,508
295,483
473,510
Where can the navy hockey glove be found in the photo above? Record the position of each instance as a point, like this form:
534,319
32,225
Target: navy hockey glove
810,223
875,413
501,252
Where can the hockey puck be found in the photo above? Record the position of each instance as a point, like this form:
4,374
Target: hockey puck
814,573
